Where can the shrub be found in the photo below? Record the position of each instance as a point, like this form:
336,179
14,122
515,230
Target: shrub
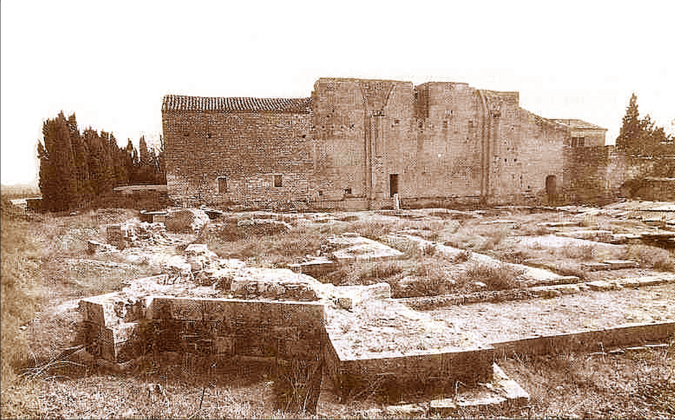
381,270
495,276
513,256
463,256
565,269
585,252
650,257
431,280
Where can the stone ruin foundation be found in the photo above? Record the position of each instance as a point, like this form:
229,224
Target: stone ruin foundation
145,321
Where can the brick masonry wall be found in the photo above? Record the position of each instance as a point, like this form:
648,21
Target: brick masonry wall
246,148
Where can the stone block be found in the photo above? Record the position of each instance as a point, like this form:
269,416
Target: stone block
406,411
601,285
224,346
509,388
568,289
445,407
187,309
546,292
594,266
620,264
92,311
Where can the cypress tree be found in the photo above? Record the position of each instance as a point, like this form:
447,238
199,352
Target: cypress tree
57,183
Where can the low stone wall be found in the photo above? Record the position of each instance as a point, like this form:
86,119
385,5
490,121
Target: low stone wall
289,334
118,331
434,372
587,341
229,327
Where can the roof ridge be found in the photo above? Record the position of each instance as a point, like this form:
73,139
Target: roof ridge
173,102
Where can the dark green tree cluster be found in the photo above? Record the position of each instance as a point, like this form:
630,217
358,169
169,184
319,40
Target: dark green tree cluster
80,169
640,137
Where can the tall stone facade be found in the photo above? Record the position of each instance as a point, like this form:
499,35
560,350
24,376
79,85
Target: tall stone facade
355,143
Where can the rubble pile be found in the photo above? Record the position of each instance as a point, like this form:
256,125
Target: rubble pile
186,221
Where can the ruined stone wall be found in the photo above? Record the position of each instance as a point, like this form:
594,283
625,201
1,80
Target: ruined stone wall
226,328
220,328
593,173
437,372
447,151
246,149
360,126
523,151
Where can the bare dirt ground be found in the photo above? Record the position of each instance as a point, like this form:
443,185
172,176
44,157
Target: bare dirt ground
584,311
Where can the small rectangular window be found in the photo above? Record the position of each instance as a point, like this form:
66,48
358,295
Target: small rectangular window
348,191
277,180
222,185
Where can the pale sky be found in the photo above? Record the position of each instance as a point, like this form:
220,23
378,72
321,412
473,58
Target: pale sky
111,62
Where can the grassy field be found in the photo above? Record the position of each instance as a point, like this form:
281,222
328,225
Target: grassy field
45,266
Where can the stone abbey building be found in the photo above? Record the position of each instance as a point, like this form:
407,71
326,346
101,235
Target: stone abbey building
355,143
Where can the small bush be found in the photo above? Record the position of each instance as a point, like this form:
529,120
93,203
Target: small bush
513,256
650,257
431,280
373,229
463,256
495,276
565,269
585,252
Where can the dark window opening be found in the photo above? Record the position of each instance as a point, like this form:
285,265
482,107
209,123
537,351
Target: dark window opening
348,191
551,185
393,184
222,185
320,193
277,180
208,135
578,141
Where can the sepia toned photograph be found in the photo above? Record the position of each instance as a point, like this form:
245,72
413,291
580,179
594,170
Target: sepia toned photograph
370,209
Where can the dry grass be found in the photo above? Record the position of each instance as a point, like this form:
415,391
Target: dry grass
478,237
584,252
21,290
651,257
494,276
275,250
579,386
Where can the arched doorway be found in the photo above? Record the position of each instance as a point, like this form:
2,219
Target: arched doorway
551,188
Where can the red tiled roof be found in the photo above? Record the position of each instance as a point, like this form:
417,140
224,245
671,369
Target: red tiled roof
199,103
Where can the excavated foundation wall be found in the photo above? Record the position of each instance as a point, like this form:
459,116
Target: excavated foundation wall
431,372
289,334
208,327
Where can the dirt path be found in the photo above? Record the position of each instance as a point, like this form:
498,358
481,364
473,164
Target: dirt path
494,322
